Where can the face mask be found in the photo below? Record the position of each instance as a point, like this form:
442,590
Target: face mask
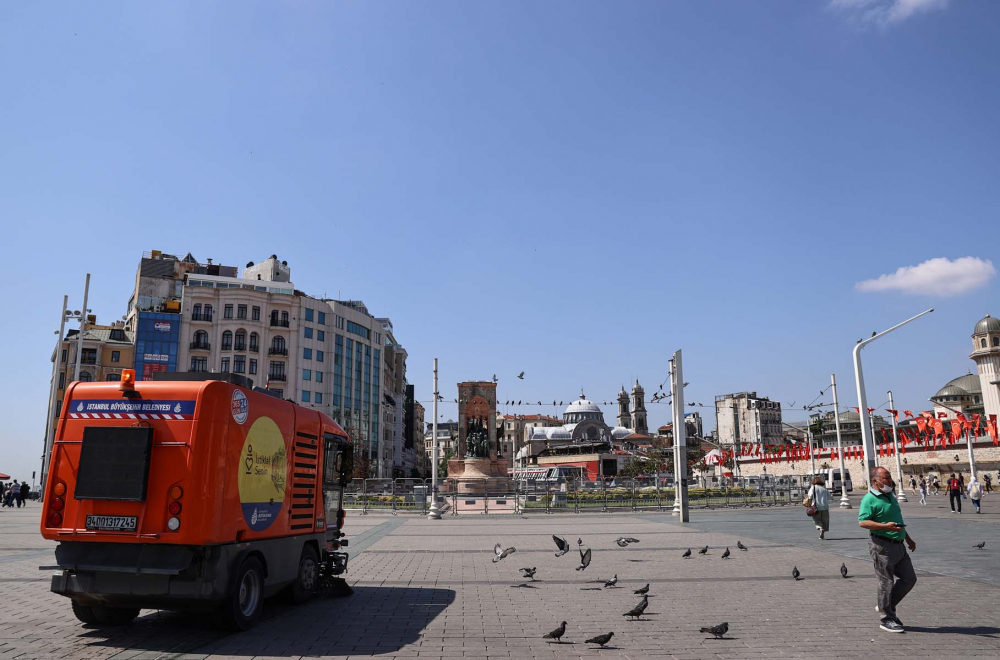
887,489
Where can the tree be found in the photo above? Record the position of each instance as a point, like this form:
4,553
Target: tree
362,466
443,465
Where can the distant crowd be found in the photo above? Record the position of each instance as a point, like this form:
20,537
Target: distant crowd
15,494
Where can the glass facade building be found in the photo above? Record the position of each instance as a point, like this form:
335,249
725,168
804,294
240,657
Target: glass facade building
156,343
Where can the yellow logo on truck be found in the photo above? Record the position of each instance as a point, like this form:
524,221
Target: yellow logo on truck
262,474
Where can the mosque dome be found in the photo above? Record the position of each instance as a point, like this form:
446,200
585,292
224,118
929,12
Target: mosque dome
988,324
582,405
620,432
967,385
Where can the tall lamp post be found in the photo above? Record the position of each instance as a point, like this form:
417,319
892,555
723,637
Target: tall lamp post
867,437
435,511
845,501
50,424
895,449
680,439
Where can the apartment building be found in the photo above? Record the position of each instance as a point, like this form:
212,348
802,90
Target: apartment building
744,417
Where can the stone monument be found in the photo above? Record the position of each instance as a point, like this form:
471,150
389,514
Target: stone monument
478,458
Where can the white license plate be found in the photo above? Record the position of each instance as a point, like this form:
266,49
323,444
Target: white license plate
112,523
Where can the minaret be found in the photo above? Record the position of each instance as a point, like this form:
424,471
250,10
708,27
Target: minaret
986,353
639,410
624,418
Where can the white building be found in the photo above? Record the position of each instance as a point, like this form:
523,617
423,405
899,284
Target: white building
744,417
986,353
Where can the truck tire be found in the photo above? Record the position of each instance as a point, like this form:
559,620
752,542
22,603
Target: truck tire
243,607
307,578
84,613
115,616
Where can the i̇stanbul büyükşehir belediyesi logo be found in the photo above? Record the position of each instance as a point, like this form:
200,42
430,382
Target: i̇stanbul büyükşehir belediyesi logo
262,474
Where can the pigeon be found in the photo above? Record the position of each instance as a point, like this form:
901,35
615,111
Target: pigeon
521,375
625,540
612,582
500,554
718,630
636,612
584,560
843,570
579,541
529,573
981,545
561,544
703,551
739,544
725,555
687,554
601,639
557,633
643,591
795,572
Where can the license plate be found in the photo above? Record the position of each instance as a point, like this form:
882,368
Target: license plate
112,523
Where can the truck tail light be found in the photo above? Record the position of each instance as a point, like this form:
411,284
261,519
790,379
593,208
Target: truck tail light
54,519
57,504
174,508
59,489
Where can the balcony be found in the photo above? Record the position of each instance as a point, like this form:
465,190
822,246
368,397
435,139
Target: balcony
279,323
201,316
240,347
198,370
277,351
254,348
88,360
277,377
200,346
227,347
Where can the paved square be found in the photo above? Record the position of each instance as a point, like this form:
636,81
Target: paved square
428,589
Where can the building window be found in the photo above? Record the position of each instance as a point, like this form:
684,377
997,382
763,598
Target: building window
116,356
64,355
321,336
227,341
306,374
278,346
339,322
317,397
307,353
305,396
319,376
319,356
85,377
239,364
307,333
241,311
225,365
277,370
241,340
253,366
280,393
253,342
309,315
207,314
227,312
199,364
62,379
196,312
996,341
321,318
284,318
112,378
983,343
255,313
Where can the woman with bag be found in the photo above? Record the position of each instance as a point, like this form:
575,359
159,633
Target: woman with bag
817,504
975,493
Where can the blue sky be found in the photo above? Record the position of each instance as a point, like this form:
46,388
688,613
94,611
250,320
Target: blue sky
572,189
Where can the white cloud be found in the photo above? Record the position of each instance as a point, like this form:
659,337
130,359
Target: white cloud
885,12
935,277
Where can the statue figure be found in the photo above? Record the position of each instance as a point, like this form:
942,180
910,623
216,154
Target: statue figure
477,441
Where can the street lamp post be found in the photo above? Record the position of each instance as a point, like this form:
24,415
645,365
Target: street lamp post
680,439
845,501
83,325
895,448
50,425
435,511
867,437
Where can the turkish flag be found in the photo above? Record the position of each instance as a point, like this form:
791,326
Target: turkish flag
895,413
975,424
927,413
908,413
871,410
939,430
857,410
922,424
956,429
942,415
992,427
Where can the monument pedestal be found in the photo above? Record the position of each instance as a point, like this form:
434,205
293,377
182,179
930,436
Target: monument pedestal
471,473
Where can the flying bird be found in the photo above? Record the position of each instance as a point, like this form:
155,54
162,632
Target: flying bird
739,544
687,554
636,612
499,553
601,639
561,544
625,540
843,570
718,630
557,633
725,555
795,572
703,551
529,573
584,560
521,375
981,545
612,582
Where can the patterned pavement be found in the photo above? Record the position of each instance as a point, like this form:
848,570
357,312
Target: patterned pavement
428,589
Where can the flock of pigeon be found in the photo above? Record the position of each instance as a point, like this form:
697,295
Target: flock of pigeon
500,553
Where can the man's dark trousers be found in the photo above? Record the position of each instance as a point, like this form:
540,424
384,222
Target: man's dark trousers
894,571
955,496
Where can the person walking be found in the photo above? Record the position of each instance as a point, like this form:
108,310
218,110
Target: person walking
954,493
988,482
961,484
880,514
913,484
975,493
25,491
937,485
923,491
819,497
15,491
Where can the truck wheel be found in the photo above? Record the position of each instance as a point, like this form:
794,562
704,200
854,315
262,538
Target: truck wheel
307,580
115,616
244,605
84,613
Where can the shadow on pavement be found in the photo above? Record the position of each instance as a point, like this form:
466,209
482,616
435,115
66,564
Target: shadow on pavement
373,621
979,631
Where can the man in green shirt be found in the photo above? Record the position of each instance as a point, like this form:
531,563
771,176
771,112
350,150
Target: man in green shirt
880,515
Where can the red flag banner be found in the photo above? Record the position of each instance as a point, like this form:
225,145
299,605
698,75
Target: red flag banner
857,410
942,415
895,413
908,413
927,413
956,430
922,424
993,430
871,410
939,430
975,425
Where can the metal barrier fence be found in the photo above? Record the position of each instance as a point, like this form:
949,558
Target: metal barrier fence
508,496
